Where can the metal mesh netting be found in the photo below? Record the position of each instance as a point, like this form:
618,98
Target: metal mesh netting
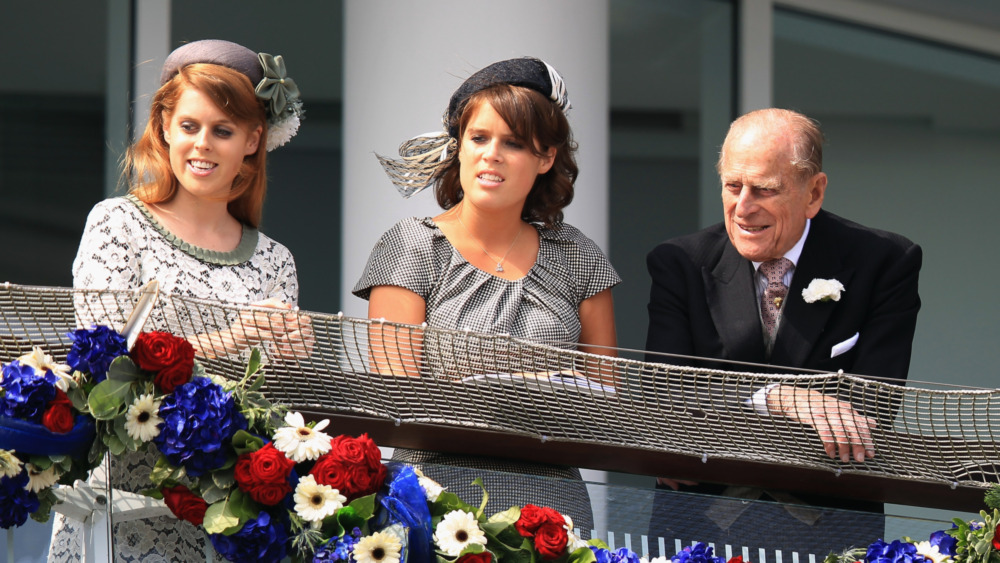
337,364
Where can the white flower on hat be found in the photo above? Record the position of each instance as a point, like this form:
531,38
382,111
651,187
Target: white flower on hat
822,290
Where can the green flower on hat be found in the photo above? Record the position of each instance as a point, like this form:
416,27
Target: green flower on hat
276,87
282,96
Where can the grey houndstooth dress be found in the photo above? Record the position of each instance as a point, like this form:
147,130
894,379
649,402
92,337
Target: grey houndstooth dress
543,306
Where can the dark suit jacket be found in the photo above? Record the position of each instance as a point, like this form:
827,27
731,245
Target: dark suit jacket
703,302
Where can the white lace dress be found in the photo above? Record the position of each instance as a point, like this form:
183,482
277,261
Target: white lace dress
124,247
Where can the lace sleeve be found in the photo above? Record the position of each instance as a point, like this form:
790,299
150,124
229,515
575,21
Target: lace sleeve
106,259
286,287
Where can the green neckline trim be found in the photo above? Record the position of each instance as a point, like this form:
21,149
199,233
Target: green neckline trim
242,253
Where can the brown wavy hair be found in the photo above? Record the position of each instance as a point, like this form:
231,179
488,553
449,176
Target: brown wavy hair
147,163
532,118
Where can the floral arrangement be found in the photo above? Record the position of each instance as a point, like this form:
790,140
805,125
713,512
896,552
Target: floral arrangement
965,542
264,484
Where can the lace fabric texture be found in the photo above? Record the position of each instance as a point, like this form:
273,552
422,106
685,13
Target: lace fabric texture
122,248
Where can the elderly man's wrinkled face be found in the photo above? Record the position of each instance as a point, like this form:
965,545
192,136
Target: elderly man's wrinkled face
765,201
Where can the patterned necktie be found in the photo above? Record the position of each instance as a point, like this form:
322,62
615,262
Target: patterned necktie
770,301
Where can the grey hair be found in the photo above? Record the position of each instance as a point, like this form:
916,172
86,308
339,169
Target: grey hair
807,147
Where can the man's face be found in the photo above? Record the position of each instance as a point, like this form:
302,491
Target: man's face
764,199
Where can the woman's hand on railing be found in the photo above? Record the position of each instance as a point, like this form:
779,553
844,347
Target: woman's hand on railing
289,333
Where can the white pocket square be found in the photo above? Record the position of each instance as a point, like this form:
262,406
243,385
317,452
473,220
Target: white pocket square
844,346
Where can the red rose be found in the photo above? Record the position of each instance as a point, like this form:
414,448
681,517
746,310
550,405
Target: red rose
154,351
185,504
550,540
996,537
362,481
270,494
737,559
348,449
171,357
353,466
58,415
484,557
533,517
270,465
242,469
173,377
329,471
263,474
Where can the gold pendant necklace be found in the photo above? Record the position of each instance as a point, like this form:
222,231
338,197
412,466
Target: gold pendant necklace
499,262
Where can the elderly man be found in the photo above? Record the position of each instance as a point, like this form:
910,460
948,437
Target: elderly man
734,291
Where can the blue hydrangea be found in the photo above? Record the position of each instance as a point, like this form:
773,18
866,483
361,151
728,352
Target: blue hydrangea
94,349
945,543
602,555
623,555
697,553
199,420
337,549
895,552
261,539
16,502
26,394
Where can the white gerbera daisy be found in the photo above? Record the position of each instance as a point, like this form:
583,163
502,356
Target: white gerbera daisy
380,547
573,542
432,489
298,441
10,465
42,362
931,552
314,502
38,479
142,420
457,530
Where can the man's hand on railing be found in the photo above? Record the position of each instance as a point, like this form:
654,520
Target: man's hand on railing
843,431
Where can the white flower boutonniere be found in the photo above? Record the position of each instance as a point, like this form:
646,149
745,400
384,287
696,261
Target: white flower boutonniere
822,290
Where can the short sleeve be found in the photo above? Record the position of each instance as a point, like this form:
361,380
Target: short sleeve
106,257
285,283
591,270
402,257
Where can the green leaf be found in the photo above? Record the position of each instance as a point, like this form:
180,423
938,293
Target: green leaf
364,506
115,446
109,398
163,472
582,555
253,364
78,397
245,442
227,516
219,519
124,369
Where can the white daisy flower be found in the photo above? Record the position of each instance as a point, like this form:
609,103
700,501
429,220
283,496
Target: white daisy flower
931,552
432,489
457,530
10,465
298,441
38,479
42,362
314,502
142,419
573,542
380,547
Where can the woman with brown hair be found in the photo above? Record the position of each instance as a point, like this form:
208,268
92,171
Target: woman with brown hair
499,259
